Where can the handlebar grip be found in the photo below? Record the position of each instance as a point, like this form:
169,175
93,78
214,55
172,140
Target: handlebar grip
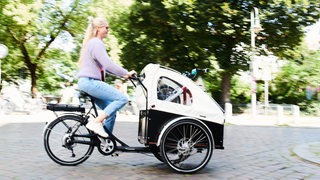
133,76
205,70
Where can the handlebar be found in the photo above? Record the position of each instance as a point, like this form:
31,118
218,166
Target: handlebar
133,76
194,72
137,78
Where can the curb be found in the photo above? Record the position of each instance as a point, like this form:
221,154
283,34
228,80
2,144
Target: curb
309,152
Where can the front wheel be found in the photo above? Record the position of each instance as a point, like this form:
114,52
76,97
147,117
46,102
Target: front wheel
156,152
62,137
186,146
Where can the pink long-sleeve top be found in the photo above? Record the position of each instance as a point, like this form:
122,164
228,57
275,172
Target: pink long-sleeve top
95,49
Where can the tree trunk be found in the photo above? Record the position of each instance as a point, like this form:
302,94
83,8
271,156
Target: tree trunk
226,87
32,67
34,90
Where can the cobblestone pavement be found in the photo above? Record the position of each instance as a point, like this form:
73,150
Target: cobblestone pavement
251,152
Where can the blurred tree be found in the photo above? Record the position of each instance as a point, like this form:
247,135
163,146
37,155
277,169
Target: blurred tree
297,78
30,28
184,34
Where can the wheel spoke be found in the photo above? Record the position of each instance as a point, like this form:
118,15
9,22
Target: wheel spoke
56,132
175,140
201,138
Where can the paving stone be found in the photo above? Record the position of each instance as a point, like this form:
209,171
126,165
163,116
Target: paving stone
251,152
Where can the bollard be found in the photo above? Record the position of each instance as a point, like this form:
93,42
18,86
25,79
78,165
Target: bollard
228,111
296,113
280,114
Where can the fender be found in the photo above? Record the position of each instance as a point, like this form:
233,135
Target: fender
176,120
62,115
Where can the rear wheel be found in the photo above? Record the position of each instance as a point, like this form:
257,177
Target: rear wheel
59,142
186,146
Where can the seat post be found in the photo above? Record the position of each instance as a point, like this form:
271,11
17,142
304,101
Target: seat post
93,105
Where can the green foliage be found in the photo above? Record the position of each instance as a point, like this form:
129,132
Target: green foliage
185,34
283,23
162,32
57,71
240,93
29,29
311,108
290,85
182,34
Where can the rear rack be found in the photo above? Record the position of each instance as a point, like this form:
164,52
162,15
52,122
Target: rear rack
66,107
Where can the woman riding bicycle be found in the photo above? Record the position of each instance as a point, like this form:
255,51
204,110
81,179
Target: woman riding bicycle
94,60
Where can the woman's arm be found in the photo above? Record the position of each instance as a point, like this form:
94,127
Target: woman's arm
98,51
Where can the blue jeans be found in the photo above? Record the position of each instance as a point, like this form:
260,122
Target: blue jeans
106,97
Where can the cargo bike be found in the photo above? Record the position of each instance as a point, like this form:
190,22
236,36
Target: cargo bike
178,123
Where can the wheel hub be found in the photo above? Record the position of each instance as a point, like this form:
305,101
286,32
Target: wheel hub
184,146
67,141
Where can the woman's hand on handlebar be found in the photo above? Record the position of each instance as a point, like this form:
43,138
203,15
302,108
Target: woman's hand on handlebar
131,74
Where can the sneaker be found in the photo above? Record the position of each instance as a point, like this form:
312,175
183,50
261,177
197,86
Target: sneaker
97,127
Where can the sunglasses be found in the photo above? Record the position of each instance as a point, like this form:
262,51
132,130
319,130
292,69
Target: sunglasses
107,27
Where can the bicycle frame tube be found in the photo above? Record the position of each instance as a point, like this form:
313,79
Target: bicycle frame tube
90,136
144,87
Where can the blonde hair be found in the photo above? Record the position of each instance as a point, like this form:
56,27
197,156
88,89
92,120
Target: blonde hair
91,31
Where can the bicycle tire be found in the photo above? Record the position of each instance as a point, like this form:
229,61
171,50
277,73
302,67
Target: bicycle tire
156,152
186,146
57,140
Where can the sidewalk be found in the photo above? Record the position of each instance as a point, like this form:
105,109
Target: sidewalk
309,151
268,120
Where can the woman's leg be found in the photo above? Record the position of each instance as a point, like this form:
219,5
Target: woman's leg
84,84
108,98
109,120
